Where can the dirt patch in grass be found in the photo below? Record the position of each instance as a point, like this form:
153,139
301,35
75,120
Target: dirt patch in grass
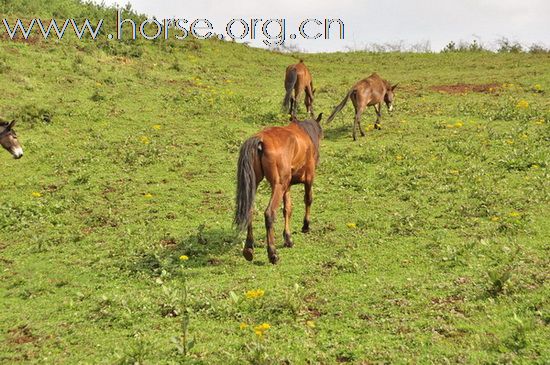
467,88
21,335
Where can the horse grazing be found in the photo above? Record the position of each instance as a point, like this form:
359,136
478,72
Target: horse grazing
285,156
299,79
8,139
371,91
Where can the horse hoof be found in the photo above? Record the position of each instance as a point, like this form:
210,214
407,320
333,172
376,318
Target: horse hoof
248,254
305,229
273,259
289,244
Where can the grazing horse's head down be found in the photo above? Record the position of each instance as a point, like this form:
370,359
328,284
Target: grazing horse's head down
388,97
284,156
8,139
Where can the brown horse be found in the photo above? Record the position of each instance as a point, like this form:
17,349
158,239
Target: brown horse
371,91
8,139
299,79
285,156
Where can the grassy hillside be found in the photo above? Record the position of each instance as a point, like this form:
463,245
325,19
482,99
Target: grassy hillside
429,242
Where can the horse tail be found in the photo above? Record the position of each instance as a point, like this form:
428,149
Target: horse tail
339,106
246,182
290,81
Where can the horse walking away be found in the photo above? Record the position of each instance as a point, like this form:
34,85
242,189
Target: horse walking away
8,139
298,79
371,91
285,156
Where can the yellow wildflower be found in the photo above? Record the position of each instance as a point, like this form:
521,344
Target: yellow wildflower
539,122
510,141
459,124
243,326
535,166
145,140
399,157
514,214
310,324
495,219
184,258
522,104
157,127
261,329
36,194
351,225
253,294
454,172
537,87
148,196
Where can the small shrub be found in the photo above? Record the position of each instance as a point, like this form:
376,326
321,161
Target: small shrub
498,279
507,46
31,114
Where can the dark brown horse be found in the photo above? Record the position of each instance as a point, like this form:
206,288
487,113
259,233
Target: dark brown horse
298,79
8,139
285,156
371,91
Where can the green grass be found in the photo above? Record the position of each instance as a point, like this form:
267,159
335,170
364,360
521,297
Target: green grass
429,242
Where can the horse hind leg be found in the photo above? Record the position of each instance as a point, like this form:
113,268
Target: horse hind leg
358,121
309,101
297,96
308,200
248,250
358,104
287,213
270,213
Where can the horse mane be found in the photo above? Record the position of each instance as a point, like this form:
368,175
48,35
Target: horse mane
313,130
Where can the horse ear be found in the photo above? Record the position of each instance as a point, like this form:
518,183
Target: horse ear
394,86
11,125
319,118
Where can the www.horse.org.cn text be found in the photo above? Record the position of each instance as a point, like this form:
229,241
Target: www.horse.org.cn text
272,32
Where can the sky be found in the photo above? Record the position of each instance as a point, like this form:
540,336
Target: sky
368,22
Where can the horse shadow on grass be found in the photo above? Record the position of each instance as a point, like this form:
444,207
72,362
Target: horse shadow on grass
333,132
206,247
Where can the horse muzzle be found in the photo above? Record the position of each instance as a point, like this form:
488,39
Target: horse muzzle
17,153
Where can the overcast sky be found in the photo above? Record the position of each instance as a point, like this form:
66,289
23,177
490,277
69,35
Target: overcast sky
367,22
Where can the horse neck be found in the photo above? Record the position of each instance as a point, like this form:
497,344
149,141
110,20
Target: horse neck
311,130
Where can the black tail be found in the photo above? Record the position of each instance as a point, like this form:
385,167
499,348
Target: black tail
290,82
246,182
339,107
